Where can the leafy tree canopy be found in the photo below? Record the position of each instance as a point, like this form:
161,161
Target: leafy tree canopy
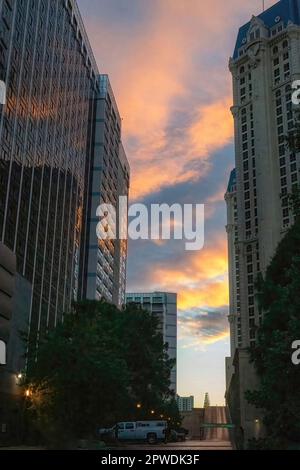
99,366
279,298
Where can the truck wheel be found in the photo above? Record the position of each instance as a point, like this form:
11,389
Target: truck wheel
151,438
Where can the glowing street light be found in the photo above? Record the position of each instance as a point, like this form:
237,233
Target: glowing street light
139,406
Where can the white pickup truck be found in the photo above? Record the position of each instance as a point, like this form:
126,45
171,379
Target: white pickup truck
150,431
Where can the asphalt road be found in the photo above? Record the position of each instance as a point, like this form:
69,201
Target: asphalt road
187,445
214,438
216,414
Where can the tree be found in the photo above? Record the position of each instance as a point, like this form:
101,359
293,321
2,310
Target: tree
94,368
147,358
278,296
293,144
294,202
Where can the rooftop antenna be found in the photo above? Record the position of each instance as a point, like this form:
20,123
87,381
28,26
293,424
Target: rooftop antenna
263,5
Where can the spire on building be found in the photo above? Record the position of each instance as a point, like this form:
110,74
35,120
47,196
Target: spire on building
206,401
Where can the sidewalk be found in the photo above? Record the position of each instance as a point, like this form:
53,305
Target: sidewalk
22,448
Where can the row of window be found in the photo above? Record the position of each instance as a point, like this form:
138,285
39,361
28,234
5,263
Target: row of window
285,124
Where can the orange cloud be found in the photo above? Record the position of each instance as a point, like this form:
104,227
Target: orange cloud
199,278
173,96
169,73
218,337
214,129
208,263
210,132
213,294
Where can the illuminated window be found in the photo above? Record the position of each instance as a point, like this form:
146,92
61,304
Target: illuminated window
2,353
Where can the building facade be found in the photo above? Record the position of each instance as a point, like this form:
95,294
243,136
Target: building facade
233,272
164,305
264,65
104,275
185,403
51,80
51,92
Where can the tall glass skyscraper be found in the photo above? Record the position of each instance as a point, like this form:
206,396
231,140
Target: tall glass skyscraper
51,79
48,143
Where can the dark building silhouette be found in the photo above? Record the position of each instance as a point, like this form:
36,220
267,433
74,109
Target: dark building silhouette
60,138
46,141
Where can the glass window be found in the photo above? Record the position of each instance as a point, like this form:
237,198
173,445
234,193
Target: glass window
129,426
294,177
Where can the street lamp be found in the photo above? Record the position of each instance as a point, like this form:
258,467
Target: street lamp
139,406
19,378
152,412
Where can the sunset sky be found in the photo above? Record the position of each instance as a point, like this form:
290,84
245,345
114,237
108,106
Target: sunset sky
168,65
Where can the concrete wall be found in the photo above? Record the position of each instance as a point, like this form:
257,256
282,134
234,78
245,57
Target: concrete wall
247,418
192,421
10,392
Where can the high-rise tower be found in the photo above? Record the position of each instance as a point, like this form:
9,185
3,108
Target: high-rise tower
265,63
53,162
104,273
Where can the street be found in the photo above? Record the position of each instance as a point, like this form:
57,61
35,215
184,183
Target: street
214,438
216,414
187,445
